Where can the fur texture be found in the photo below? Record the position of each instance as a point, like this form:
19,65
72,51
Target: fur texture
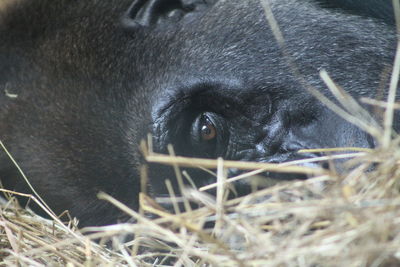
93,77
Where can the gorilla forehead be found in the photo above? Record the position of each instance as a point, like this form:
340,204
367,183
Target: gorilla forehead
194,49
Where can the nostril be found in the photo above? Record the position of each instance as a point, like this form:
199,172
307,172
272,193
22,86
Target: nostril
290,147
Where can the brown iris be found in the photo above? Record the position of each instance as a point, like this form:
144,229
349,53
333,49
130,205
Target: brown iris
207,131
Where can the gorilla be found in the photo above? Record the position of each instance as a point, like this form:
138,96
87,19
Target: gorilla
83,82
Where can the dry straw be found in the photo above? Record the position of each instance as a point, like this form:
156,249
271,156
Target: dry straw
331,219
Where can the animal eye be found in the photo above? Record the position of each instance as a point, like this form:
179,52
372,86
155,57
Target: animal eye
205,134
208,131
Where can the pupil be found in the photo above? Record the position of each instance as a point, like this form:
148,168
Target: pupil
205,130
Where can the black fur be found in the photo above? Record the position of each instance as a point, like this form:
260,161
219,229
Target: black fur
380,9
94,77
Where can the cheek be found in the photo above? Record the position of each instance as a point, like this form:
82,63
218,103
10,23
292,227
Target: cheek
337,132
350,135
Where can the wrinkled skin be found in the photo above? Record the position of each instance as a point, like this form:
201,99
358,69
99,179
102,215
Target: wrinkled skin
90,86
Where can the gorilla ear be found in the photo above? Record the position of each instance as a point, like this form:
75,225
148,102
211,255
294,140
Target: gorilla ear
143,13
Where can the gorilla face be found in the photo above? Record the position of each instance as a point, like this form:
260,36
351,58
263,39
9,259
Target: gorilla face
234,95
207,77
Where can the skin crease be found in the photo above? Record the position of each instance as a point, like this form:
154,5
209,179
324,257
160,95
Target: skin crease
90,86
